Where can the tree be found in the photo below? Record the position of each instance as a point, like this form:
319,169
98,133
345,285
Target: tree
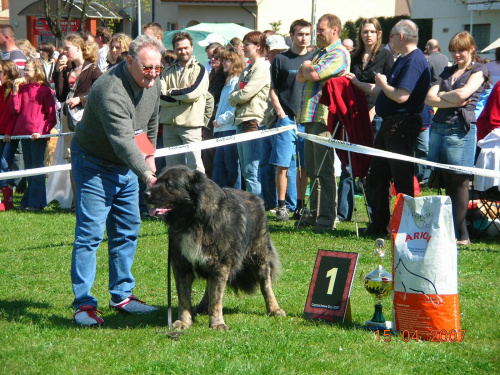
64,7
275,26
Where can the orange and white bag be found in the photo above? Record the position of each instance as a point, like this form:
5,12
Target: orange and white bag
424,269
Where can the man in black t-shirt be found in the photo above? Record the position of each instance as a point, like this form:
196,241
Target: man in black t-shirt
285,96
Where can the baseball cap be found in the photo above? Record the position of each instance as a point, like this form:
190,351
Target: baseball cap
276,42
212,38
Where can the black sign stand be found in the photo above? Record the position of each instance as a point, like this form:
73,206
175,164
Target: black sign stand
330,289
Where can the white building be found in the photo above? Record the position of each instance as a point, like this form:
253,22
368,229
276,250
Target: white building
452,16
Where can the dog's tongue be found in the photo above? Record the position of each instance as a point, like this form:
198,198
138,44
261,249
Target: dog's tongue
158,211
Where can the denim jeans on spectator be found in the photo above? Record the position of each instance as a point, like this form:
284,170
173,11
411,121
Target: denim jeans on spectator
33,155
344,200
249,153
7,152
267,174
421,151
106,199
227,172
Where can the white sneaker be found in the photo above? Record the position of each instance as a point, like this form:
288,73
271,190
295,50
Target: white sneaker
133,305
87,316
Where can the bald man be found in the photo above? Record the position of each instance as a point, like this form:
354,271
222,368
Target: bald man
437,61
348,44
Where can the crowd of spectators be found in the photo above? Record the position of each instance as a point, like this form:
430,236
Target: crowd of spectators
268,81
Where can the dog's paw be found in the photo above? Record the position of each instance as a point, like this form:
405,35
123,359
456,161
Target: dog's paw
180,325
278,312
219,327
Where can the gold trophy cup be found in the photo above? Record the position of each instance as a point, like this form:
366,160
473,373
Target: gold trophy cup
379,284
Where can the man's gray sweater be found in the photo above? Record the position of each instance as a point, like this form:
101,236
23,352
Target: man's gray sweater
116,108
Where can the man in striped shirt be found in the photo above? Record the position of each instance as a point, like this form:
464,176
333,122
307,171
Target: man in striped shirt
331,60
8,48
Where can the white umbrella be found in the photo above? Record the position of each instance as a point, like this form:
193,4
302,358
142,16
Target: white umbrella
493,45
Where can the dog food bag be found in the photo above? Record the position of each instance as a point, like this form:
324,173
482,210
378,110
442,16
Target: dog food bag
424,269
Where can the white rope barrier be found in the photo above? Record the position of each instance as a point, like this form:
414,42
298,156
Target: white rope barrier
266,133
41,136
334,143
162,152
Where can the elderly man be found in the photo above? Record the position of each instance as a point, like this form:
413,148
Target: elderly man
399,103
437,61
348,44
107,162
184,87
332,60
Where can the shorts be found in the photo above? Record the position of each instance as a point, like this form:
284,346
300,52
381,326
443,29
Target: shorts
451,144
283,145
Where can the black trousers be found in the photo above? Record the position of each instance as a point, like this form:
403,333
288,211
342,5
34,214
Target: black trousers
397,135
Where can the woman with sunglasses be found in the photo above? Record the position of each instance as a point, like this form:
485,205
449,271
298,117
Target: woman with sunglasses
250,101
76,71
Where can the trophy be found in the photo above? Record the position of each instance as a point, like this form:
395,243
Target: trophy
379,284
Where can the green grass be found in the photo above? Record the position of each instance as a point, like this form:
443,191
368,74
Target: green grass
39,337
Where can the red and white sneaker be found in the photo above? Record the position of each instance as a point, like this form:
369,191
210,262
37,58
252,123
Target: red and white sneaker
86,316
132,305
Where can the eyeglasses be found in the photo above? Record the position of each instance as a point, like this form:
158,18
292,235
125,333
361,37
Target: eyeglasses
148,69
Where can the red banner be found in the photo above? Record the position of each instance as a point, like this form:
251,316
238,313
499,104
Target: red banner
41,26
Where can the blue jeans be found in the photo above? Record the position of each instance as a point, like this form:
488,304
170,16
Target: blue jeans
267,174
421,151
106,198
345,202
451,144
7,152
249,153
227,171
33,155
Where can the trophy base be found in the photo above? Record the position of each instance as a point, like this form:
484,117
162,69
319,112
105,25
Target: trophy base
377,326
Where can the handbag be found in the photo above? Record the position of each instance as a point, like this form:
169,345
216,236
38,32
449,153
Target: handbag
74,114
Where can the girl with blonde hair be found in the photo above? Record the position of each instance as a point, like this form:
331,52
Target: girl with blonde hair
34,105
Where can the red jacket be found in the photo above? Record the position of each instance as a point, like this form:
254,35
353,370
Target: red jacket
35,108
348,105
490,117
7,118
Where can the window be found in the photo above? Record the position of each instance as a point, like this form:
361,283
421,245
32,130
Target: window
481,34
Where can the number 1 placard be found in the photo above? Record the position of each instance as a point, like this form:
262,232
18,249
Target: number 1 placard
331,284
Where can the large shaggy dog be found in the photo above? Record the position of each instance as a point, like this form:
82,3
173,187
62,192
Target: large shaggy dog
218,234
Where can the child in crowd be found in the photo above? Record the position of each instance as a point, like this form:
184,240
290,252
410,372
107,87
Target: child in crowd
8,73
34,104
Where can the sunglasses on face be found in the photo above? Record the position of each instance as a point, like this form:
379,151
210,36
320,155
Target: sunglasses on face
148,69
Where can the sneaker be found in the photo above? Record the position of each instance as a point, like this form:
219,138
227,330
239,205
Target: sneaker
282,214
86,316
132,305
298,213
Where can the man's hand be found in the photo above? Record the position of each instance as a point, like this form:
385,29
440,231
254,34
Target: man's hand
216,124
150,161
151,180
380,80
35,136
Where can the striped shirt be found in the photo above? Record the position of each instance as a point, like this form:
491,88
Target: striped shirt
18,57
328,62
